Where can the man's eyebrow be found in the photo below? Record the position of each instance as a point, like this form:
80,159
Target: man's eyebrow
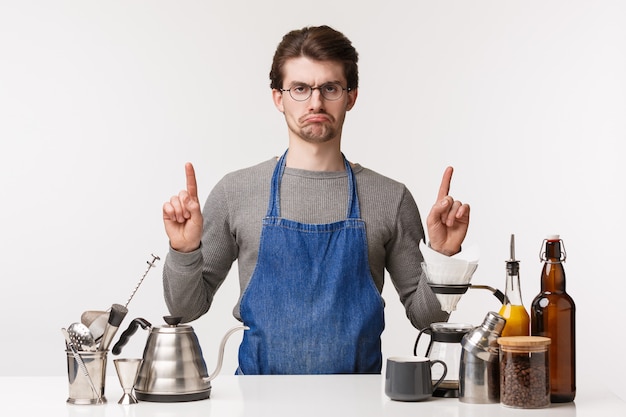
295,82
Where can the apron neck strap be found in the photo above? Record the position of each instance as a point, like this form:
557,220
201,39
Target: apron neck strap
273,210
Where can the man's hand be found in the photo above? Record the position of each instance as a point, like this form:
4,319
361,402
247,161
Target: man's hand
448,220
182,216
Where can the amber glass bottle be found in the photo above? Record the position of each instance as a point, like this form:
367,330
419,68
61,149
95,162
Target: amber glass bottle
513,310
553,315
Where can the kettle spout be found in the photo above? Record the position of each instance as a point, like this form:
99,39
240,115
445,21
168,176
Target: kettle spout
220,358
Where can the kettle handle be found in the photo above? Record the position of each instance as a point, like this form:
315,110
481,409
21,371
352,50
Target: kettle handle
132,328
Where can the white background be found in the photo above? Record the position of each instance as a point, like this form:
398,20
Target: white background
102,103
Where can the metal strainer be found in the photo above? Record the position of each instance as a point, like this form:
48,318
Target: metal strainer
81,337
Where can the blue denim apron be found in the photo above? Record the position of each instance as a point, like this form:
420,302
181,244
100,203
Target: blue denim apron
311,303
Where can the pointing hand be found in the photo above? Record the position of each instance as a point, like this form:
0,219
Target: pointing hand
182,216
448,219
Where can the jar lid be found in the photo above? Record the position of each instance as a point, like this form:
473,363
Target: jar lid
524,341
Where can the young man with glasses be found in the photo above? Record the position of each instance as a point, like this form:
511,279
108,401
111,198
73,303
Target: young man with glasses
312,232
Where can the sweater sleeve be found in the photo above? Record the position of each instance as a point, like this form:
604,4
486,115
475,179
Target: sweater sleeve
404,265
190,280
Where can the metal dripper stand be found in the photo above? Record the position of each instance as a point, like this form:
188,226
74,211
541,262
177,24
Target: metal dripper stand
462,289
452,292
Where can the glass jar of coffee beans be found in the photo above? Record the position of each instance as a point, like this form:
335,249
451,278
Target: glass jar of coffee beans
524,371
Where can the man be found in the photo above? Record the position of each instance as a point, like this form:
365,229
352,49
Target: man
312,233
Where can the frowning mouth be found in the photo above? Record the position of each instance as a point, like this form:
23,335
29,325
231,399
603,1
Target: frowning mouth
316,118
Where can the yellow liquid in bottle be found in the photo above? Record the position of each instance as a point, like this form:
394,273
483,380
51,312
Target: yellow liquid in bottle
517,320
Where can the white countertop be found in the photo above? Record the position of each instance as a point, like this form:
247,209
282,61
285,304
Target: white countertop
275,396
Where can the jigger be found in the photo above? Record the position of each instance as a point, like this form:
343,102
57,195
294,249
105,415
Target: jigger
127,371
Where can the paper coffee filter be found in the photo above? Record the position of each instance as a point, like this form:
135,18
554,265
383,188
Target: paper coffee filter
449,274
449,270
448,301
469,272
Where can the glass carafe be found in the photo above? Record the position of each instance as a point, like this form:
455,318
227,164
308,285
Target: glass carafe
445,345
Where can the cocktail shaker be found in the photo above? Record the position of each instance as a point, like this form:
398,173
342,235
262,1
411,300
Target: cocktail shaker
479,371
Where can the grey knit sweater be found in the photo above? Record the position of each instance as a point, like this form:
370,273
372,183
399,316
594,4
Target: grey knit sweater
232,228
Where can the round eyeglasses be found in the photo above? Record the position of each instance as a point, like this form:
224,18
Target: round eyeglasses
330,91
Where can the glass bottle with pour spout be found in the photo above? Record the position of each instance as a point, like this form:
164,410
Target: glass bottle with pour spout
553,315
513,310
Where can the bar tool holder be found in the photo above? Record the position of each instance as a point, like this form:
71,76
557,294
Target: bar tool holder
73,378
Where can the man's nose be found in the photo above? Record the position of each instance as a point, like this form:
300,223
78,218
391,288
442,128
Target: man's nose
317,99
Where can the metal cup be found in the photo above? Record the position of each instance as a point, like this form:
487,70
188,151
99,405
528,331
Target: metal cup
80,389
127,370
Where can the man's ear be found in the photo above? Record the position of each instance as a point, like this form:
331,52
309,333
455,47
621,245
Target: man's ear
352,96
277,97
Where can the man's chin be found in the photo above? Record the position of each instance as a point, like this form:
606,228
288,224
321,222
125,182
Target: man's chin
317,135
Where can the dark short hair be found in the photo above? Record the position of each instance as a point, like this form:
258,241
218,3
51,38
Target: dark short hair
320,43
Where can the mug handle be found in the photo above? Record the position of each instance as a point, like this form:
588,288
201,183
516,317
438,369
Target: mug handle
445,371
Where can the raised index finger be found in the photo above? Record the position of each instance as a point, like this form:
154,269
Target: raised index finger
444,188
192,187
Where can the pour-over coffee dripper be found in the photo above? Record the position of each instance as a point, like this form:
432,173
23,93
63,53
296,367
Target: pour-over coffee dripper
449,294
449,277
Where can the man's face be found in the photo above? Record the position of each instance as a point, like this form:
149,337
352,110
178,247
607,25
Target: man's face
316,119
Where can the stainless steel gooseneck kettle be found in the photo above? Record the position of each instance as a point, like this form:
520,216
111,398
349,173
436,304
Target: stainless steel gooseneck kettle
173,368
